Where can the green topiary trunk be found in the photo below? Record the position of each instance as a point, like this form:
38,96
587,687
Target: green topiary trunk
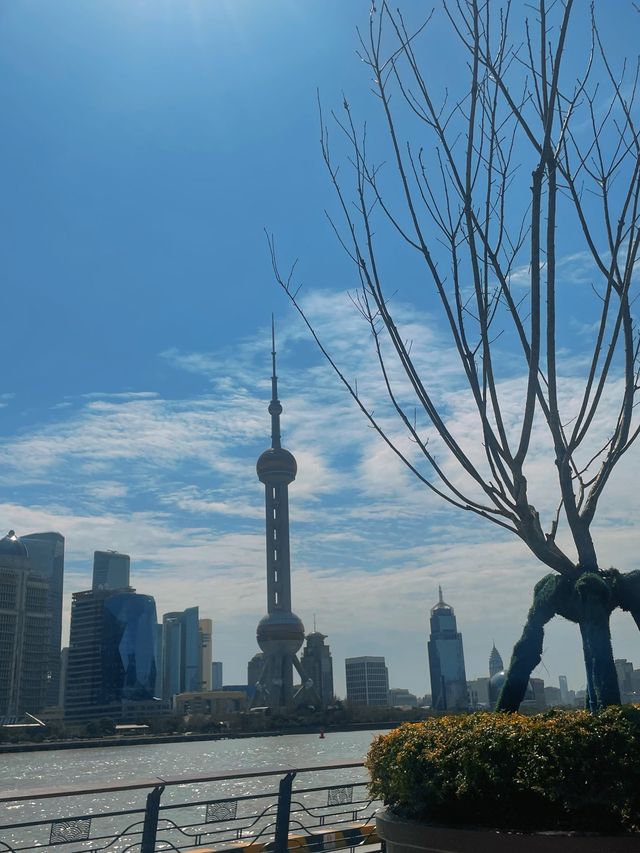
588,601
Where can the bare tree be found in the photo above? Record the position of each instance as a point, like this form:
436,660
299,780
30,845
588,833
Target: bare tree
572,152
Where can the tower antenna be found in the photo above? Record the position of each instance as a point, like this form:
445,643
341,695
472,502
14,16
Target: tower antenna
275,409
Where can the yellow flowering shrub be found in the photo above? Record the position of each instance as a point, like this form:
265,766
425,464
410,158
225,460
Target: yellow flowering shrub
558,770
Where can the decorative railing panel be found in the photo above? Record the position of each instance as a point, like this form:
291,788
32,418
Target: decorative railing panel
310,809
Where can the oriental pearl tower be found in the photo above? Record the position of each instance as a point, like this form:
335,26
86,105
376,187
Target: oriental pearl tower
280,633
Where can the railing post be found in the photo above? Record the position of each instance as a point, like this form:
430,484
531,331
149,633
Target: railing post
151,813
282,816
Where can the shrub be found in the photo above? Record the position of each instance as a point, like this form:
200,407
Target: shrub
558,770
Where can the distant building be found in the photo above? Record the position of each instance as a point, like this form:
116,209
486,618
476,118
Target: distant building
495,662
206,652
535,703
317,666
478,690
212,703
110,570
446,660
64,661
216,675
25,628
564,689
624,671
400,697
46,553
254,669
367,681
181,652
111,653
553,697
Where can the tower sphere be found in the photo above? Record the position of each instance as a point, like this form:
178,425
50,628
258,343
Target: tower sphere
277,465
280,633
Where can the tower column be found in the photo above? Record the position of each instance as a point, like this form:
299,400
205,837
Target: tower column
280,633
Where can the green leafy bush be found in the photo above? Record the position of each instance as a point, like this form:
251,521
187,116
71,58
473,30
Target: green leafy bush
559,770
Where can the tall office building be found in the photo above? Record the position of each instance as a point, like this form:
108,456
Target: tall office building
280,633
111,656
25,626
181,652
318,667
157,691
495,662
446,660
367,681
216,675
46,553
564,689
110,570
206,652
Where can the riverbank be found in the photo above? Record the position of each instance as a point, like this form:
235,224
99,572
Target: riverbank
152,740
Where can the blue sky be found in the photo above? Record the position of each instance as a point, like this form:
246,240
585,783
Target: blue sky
146,144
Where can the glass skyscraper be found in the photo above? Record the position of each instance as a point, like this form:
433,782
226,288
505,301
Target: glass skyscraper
446,660
181,652
110,570
111,652
46,554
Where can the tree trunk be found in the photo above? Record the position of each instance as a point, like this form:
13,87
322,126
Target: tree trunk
602,680
528,650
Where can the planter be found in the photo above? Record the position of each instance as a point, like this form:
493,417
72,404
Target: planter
407,836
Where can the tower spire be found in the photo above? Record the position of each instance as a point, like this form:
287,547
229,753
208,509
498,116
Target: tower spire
440,598
275,409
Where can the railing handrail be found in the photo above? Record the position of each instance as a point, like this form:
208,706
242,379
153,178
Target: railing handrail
154,781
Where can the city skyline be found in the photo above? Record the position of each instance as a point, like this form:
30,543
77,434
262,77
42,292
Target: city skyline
136,191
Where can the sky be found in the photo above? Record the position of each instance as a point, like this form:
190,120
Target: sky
146,147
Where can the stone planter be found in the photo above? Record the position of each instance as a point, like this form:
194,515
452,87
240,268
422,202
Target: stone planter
406,836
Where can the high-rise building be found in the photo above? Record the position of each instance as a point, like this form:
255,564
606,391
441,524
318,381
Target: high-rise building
495,662
216,675
25,626
110,570
206,652
318,668
564,689
280,633
46,553
446,660
254,669
159,664
111,653
181,652
367,681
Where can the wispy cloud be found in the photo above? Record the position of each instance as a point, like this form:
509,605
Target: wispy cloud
172,482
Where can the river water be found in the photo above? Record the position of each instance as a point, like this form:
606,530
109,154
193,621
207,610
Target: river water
32,770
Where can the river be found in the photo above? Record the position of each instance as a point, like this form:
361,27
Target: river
32,770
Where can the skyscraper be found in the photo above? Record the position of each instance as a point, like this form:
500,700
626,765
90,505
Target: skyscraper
110,570
495,662
216,675
206,655
280,633
446,660
564,689
25,624
46,553
367,681
318,667
111,652
181,652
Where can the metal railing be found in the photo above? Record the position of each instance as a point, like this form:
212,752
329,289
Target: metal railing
314,809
